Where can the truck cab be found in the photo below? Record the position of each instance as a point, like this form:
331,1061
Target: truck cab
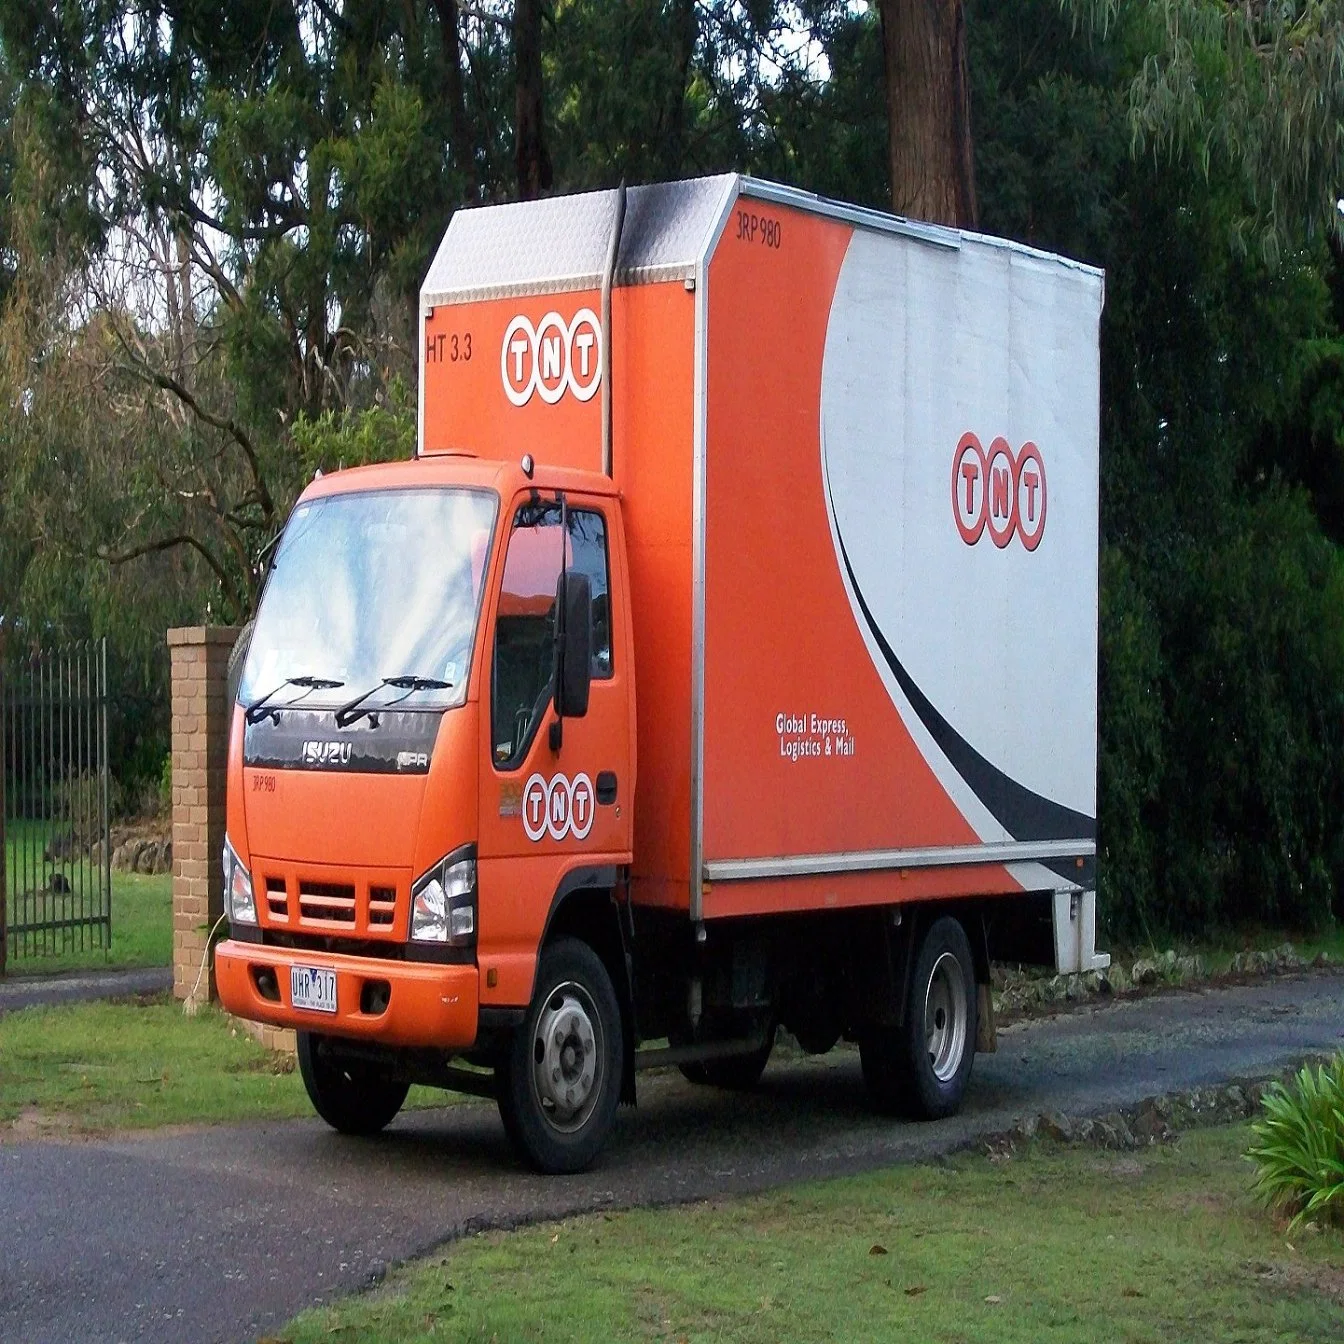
668,696
436,698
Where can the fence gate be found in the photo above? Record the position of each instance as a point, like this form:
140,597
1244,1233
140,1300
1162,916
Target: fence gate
56,873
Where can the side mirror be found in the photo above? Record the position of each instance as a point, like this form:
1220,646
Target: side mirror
574,656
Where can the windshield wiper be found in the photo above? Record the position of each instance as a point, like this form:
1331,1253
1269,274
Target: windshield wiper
258,709
349,712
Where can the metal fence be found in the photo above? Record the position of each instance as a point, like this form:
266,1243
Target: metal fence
55,858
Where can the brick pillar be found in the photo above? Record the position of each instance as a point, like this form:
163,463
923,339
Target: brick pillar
200,658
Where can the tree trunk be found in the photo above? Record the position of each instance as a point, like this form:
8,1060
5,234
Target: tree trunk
450,35
534,164
929,110
685,32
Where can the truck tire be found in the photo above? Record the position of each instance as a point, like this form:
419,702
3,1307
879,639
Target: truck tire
352,1096
920,1069
559,1080
737,1073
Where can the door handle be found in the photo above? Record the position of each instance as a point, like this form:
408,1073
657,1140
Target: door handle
606,787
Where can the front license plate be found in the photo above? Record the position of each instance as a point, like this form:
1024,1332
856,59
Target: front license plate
312,988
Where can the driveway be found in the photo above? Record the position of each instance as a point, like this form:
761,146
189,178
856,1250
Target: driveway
223,1233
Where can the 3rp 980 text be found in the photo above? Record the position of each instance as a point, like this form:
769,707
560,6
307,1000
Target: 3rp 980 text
754,228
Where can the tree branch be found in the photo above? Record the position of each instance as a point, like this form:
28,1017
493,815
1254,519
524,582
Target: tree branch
111,557
167,383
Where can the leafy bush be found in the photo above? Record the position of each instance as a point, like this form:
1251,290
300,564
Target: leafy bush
1298,1149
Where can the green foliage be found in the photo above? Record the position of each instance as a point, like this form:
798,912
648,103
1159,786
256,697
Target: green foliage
1298,1148
1221,661
217,219
382,433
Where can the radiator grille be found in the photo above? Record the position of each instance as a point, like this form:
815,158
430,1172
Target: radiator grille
371,904
327,902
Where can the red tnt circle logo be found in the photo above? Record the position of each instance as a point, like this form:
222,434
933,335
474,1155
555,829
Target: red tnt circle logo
998,492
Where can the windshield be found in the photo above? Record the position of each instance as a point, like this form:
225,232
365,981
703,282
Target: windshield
364,587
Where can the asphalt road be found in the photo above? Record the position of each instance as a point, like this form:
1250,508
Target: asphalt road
28,991
223,1233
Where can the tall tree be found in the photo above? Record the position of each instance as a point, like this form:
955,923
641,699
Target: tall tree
929,110
529,127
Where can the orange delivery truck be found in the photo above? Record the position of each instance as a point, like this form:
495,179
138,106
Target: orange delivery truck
725,660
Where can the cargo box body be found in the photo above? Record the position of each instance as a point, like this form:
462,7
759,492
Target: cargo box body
857,461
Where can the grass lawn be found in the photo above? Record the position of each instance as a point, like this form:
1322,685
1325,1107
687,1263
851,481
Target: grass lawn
88,1067
142,930
1073,1245
142,910
92,1067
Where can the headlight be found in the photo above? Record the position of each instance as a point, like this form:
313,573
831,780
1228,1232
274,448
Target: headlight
443,901
238,902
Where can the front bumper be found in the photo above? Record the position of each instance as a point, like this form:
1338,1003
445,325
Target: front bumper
429,1004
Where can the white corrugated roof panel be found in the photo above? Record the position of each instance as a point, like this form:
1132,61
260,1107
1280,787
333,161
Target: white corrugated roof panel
560,243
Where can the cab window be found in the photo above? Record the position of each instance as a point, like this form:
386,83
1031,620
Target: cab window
524,664
588,555
523,672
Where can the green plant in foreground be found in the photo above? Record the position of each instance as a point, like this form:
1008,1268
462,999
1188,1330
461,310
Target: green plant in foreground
1298,1148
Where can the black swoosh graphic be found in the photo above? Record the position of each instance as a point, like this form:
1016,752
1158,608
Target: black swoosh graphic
1023,814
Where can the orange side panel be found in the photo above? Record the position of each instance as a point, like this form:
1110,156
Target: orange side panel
467,361
653,395
468,408
838,891
781,641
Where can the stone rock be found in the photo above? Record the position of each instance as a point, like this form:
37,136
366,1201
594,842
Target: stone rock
124,856
1149,1125
1118,1131
1167,962
146,857
166,857
96,854
1190,968
1118,979
1026,1127
1255,1095
1056,1126
1235,1099
1086,1132
1144,972
1322,960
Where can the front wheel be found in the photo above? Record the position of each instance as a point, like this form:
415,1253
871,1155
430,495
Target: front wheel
921,1068
352,1096
559,1081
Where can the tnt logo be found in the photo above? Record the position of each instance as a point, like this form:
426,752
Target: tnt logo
998,492
558,807
551,358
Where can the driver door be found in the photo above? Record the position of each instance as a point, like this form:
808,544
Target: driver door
547,810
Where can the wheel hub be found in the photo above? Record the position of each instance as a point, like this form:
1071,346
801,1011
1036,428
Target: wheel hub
945,1017
567,1058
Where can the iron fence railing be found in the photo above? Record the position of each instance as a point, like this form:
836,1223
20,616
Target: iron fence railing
56,867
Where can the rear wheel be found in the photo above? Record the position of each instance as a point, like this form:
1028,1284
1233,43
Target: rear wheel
351,1095
921,1068
559,1081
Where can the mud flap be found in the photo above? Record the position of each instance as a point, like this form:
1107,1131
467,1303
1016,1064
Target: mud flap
1075,915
